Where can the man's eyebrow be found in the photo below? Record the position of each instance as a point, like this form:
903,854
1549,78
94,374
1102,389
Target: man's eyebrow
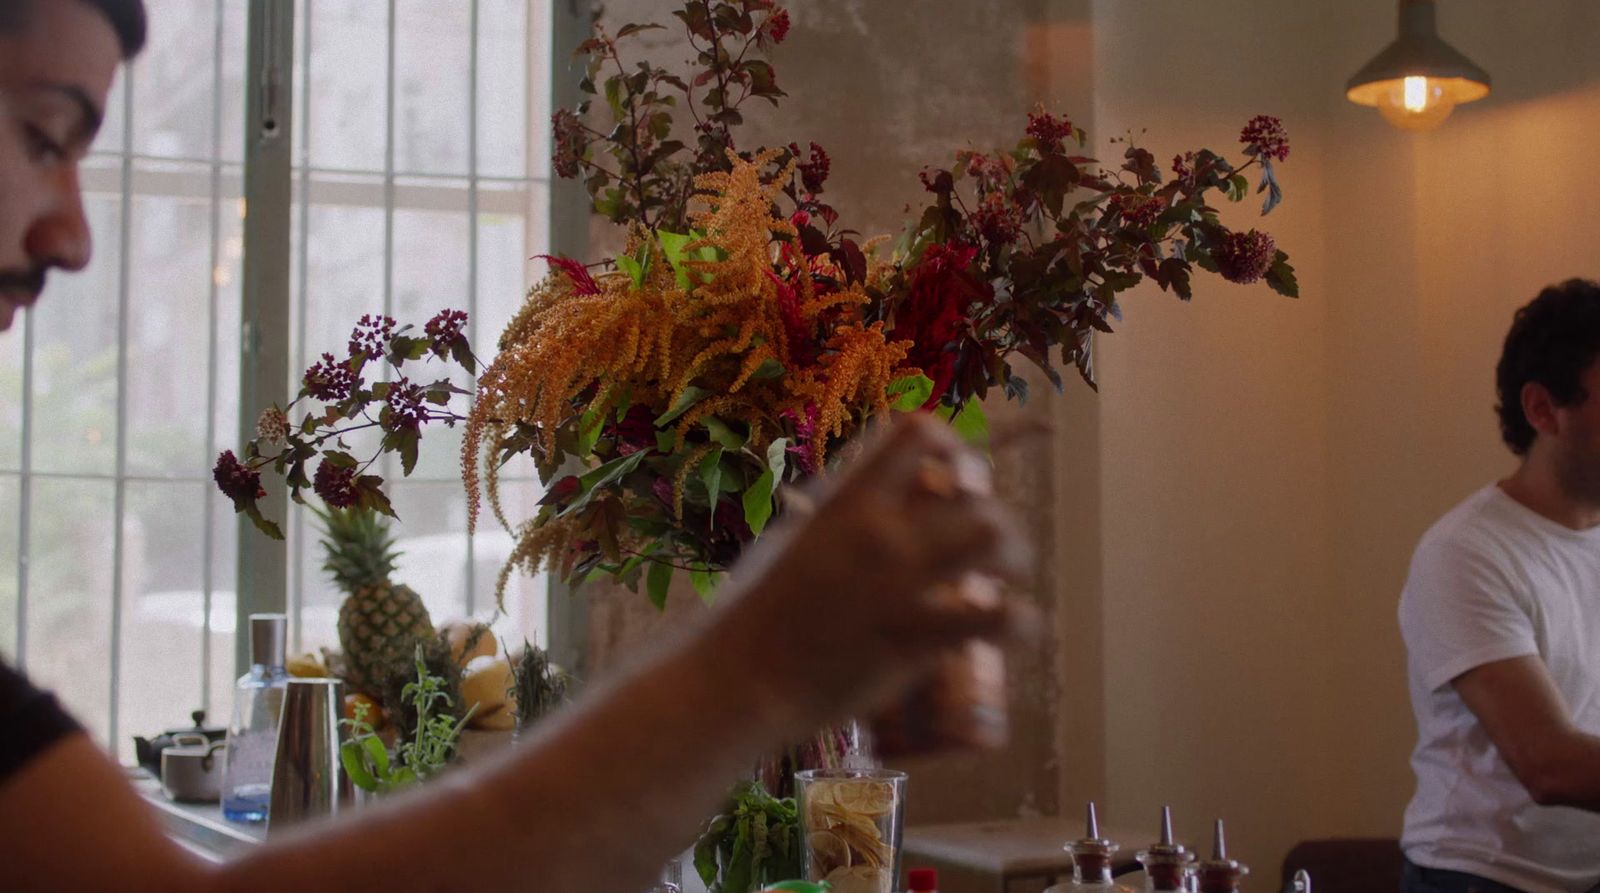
91,116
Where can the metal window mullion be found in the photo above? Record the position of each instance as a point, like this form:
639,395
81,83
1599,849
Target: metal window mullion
264,312
303,252
120,485
472,253
208,498
25,492
388,190
566,219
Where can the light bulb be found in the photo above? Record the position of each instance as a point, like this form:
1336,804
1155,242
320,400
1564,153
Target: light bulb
1415,103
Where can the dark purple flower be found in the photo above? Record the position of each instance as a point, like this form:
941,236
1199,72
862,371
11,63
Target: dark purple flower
569,143
444,329
1183,166
330,380
1245,257
370,337
407,404
1265,135
237,481
335,484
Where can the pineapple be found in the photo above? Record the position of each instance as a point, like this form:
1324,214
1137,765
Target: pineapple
380,621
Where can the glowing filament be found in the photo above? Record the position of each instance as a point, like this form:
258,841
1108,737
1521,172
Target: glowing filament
1416,94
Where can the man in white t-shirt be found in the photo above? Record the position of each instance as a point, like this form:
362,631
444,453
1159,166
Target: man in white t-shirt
1501,617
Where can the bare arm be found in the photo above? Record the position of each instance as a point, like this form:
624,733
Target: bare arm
1518,705
824,619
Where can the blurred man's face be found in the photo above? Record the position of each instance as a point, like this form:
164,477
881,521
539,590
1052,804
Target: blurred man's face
54,75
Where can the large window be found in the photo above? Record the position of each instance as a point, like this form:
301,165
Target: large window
419,183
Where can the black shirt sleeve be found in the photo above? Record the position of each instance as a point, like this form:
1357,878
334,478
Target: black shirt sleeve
30,722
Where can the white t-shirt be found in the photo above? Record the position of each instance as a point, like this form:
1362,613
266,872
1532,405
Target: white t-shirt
1495,580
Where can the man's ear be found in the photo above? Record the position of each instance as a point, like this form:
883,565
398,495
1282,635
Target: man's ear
1540,409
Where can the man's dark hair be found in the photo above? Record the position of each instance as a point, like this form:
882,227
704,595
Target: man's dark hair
126,17
1552,341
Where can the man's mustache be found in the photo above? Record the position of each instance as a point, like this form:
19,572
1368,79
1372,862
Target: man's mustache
27,281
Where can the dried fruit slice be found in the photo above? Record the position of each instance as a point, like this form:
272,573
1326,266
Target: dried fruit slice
859,879
865,797
828,851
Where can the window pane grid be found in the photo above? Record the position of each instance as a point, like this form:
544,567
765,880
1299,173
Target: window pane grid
163,204
420,212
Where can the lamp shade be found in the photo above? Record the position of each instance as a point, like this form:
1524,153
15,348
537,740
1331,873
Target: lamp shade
1417,80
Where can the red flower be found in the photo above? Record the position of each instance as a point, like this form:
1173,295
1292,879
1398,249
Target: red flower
1047,130
237,481
778,25
998,219
1265,137
805,431
329,380
1245,257
562,491
335,484
636,431
1138,211
582,282
802,343
813,173
934,312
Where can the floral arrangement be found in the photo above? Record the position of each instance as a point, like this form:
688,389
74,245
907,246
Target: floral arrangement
744,336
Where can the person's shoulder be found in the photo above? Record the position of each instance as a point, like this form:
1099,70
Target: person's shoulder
1478,524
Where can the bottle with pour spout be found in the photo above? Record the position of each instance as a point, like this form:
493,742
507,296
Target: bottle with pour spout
1167,865
1091,861
1219,874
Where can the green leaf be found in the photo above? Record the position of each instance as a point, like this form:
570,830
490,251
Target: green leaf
769,368
1280,277
758,502
722,434
909,393
635,29
377,754
350,754
705,583
409,438
589,425
262,524
657,581
633,268
601,477
1238,187
690,396
340,459
672,245
972,424
758,496
710,471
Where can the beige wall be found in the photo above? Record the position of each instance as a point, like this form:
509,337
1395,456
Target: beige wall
1233,514
1268,465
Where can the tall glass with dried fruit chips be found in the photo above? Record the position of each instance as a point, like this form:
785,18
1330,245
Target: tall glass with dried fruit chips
852,821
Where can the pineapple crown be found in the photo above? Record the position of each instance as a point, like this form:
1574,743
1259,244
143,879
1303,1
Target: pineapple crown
358,547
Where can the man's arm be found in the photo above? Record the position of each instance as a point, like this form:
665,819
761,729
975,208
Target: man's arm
1519,707
827,616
